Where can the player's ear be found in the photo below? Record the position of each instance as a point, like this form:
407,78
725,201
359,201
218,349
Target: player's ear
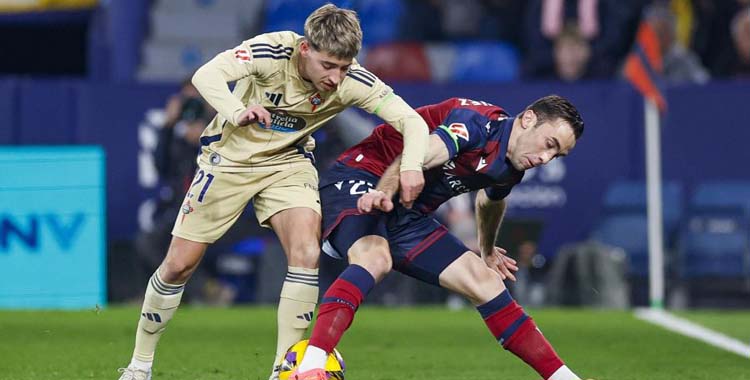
528,119
304,48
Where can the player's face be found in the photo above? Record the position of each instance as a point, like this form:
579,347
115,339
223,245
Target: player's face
540,143
325,71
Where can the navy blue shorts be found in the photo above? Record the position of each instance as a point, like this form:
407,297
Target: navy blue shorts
420,246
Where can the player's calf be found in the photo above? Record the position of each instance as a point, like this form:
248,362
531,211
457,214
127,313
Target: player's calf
518,333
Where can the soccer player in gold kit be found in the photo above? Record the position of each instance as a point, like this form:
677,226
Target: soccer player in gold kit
258,148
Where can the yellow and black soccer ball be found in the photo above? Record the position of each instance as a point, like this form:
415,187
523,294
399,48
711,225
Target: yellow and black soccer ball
334,363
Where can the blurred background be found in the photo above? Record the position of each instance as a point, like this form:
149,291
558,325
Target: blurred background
99,130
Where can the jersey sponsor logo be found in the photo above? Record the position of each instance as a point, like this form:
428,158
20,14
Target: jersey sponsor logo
455,183
281,121
460,130
275,98
482,164
242,56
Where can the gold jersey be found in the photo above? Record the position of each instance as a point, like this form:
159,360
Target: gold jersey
265,69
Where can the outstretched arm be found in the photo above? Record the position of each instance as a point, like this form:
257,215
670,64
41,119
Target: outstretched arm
489,215
381,197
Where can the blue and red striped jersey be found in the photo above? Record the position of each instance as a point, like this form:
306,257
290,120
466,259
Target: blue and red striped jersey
476,135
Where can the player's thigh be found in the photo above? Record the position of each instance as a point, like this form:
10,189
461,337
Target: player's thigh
424,250
298,230
469,276
348,233
293,188
213,203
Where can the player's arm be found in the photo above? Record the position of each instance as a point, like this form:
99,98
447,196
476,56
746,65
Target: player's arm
372,95
211,81
490,211
381,197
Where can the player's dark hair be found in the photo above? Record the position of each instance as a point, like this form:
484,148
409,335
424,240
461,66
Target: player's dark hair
552,107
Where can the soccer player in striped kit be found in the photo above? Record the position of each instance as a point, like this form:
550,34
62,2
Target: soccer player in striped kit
258,148
474,145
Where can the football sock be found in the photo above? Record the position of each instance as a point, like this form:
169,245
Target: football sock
564,373
299,295
518,333
313,357
159,305
337,309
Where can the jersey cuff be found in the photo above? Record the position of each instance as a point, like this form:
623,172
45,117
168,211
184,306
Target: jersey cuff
449,140
496,194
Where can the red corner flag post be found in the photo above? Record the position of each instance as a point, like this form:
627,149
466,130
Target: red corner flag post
643,66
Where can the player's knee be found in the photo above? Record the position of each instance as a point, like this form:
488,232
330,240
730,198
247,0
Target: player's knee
176,270
482,283
305,255
373,254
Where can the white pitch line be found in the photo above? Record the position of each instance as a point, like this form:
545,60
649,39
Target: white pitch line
693,330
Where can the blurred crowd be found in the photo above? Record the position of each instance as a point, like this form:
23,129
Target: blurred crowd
570,40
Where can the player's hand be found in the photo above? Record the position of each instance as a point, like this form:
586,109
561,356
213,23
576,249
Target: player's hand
254,113
412,182
374,199
500,263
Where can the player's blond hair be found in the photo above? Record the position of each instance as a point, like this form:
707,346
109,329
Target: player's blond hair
335,31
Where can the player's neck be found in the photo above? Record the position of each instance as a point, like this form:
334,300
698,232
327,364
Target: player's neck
515,131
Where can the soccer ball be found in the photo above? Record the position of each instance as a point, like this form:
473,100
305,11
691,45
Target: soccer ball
293,357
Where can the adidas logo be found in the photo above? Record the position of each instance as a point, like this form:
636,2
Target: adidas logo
307,316
274,98
152,317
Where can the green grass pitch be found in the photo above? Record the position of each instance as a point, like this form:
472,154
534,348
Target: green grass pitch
383,344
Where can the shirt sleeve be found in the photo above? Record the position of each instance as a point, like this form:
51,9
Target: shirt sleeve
462,130
369,93
229,66
497,192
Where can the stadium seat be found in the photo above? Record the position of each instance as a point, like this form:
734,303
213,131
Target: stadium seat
486,62
399,62
630,196
627,231
714,243
380,20
722,194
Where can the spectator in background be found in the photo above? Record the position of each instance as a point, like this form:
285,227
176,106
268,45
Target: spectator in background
546,21
553,18
178,145
712,39
741,40
680,65
572,53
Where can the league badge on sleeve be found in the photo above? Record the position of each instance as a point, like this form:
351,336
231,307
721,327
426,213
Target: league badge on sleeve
460,130
242,56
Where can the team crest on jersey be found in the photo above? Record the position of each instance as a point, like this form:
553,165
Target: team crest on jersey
242,56
282,121
316,100
460,130
186,209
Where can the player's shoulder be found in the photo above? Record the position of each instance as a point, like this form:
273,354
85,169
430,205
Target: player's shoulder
358,76
274,46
